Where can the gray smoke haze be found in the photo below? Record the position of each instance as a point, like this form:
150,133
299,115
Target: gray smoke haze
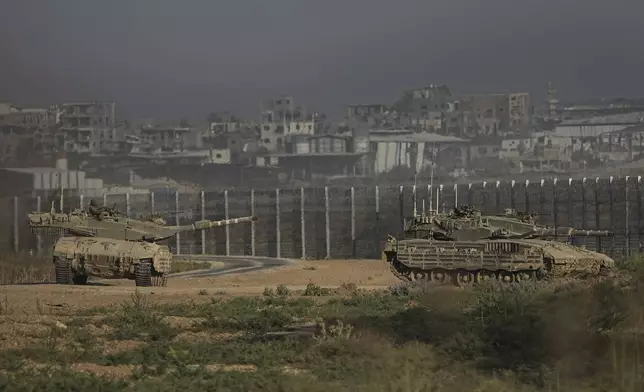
170,58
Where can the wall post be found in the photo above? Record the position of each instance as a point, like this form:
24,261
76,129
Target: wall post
227,227
252,224
38,236
327,222
639,211
353,221
176,221
513,203
628,217
599,240
583,203
555,204
377,221
302,223
571,214
16,243
401,208
278,231
202,204
455,195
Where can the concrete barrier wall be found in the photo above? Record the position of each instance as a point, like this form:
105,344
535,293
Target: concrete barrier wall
354,222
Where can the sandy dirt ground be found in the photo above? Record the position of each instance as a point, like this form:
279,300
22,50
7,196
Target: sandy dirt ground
51,298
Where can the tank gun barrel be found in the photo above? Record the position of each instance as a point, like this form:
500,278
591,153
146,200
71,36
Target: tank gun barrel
590,233
209,224
566,231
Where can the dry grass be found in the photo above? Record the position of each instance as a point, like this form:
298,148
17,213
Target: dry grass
546,337
25,268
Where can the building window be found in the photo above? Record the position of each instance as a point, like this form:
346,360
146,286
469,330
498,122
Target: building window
218,156
267,141
297,127
267,128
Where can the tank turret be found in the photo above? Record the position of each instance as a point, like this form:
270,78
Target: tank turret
466,223
79,223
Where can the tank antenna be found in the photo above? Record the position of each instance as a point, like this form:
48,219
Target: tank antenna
415,206
60,178
431,181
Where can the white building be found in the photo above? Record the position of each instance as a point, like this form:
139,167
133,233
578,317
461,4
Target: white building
394,149
274,134
593,127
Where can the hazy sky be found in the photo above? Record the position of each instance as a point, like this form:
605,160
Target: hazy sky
166,58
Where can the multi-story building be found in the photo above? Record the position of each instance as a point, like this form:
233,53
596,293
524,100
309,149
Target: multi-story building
274,135
87,127
280,119
26,134
281,109
169,138
427,108
361,112
224,123
491,114
29,117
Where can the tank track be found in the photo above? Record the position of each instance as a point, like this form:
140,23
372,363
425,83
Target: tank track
160,280
144,276
461,277
63,270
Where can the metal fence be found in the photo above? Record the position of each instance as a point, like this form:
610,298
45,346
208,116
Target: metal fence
331,222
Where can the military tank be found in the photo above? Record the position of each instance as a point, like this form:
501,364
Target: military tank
112,246
464,246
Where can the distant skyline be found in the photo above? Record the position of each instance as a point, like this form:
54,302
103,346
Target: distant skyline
169,59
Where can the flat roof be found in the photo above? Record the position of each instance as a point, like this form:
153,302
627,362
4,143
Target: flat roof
314,154
37,170
416,138
611,119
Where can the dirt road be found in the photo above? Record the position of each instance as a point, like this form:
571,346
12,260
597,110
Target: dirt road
48,298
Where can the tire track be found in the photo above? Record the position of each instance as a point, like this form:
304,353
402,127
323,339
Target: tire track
232,265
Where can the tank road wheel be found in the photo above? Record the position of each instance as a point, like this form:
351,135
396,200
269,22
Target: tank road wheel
485,276
506,277
143,274
159,280
524,276
63,269
439,276
464,278
80,279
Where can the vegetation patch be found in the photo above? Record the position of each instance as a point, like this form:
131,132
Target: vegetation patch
26,268
492,337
